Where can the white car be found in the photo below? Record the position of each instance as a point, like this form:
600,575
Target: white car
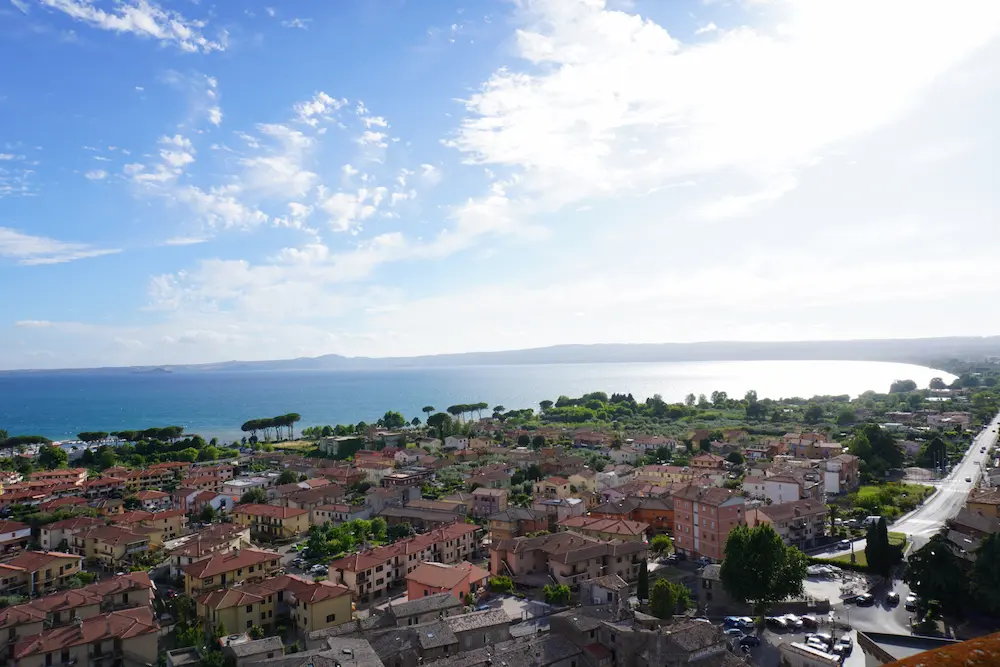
793,621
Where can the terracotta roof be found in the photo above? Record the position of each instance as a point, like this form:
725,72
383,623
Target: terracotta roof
604,525
114,535
66,501
19,615
559,481
272,511
12,526
303,589
483,491
32,561
226,562
984,496
104,481
151,495
708,495
978,652
116,625
439,575
797,508
361,561
132,517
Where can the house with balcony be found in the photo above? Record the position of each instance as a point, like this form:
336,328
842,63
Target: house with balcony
703,517
486,502
799,523
564,558
517,522
38,572
230,568
553,487
369,574
270,522
159,526
14,536
127,637
154,501
104,487
111,547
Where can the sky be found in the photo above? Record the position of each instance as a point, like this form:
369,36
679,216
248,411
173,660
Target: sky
190,181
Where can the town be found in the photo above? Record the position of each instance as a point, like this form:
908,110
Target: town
520,538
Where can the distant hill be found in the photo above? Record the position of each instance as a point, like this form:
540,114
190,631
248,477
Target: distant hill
924,351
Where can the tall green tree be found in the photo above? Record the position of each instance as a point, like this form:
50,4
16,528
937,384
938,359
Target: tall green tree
663,599
984,580
440,421
759,569
878,551
935,572
643,589
51,457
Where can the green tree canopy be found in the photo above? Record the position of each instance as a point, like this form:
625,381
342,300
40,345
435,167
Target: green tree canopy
662,543
759,569
642,592
935,572
878,552
51,457
984,581
666,597
288,477
254,496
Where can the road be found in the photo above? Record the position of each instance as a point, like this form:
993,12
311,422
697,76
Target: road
925,521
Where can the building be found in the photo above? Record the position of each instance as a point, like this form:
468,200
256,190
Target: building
657,513
103,487
663,475
841,474
237,487
703,517
369,574
112,547
38,572
564,558
244,651
127,637
777,489
159,526
154,501
603,528
309,605
560,509
486,502
456,442
432,578
14,536
553,487
916,651
415,476
199,546
708,462
270,522
62,475
800,523
230,568
985,502
338,514
517,522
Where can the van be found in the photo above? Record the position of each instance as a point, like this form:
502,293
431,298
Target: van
869,520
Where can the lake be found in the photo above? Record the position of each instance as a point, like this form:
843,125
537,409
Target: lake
59,406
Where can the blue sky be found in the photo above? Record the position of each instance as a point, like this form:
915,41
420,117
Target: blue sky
191,181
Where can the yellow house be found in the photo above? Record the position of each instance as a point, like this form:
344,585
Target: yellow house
271,522
664,475
38,572
230,568
553,487
165,525
111,546
310,605
984,501
585,481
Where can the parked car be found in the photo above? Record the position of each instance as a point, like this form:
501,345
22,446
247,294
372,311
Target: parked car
911,602
777,622
704,560
824,637
731,621
865,600
734,632
747,623
812,642
750,640
844,645
844,544
809,621
892,598
793,621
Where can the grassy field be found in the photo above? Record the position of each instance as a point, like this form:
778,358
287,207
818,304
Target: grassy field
859,555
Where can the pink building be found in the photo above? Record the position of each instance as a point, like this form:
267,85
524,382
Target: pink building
703,517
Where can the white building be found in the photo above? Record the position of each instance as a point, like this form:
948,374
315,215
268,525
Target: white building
407,456
778,489
456,442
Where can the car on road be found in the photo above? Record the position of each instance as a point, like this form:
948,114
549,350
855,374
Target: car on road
750,640
742,622
892,598
865,600
844,544
968,479
704,560
910,603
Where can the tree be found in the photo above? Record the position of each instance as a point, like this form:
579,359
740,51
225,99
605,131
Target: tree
935,572
256,632
937,383
663,599
662,543
643,590
545,405
834,511
207,514
257,496
934,454
399,532
690,400
846,417
107,458
190,636
131,503
51,457
538,442
759,569
984,580
501,584
878,551
556,594
440,421
813,413
288,477
902,387
415,422
498,411
735,458
427,409
215,657
393,420
523,440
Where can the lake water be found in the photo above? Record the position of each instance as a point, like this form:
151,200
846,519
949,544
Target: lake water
59,406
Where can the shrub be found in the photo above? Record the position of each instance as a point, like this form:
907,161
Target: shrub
501,584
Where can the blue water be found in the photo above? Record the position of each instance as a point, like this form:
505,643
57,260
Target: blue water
59,406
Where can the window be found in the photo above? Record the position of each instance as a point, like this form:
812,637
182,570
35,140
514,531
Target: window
239,572
249,624
249,608
48,659
251,569
330,618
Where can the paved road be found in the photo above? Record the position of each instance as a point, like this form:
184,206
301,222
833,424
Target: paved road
927,519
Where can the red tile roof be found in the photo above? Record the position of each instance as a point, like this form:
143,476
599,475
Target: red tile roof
604,525
151,495
116,625
364,560
273,511
229,561
114,535
32,561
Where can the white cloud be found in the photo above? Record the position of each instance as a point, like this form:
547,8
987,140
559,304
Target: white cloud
220,207
711,27
430,174
300,24
33,324
30,250
319,108
270,11
374,121
347,209
281,173
8,156
376,139
185,240
215,115
142,18
96,175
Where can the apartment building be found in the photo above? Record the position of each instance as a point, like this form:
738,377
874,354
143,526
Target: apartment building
553,487
657,513
308,499
841,474
112,547
486,502
708,462
800,523
160,526
338,514
431,578
38,572
14,536
368,574
703,517
199,546
270,522
70,475
309,605
566,557
517,522
150,479
126,637
663,475
230,568
103,487
154,501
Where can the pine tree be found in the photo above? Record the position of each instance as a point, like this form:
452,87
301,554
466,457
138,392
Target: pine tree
643,592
